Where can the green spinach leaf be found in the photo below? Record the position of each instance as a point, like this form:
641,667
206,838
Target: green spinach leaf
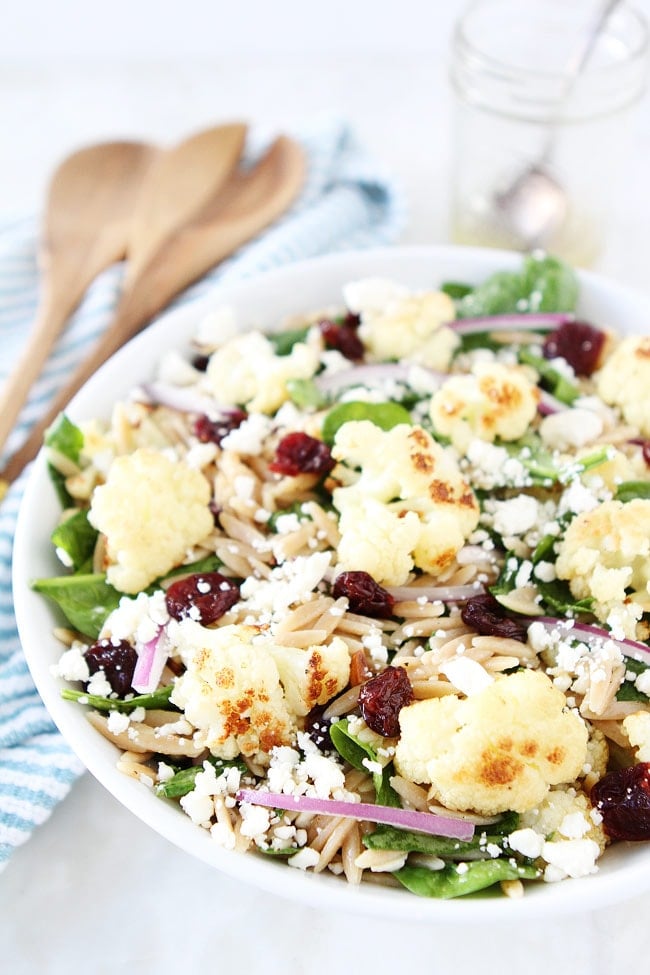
84,600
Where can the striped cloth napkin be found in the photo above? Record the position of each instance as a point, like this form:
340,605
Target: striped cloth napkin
348,201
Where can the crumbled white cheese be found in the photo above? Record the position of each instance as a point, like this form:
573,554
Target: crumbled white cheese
570,858
467,675
527,842
304,858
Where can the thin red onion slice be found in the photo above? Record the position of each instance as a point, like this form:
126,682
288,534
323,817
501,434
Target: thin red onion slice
549,404
371,375
526,321
459,829
183,399
629,648
152,657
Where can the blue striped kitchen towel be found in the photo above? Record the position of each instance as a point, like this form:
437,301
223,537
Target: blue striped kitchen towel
348,201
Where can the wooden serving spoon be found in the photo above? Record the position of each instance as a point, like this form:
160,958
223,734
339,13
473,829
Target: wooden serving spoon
88,214
179,183
247,203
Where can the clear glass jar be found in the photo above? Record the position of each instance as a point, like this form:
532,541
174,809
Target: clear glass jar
517,107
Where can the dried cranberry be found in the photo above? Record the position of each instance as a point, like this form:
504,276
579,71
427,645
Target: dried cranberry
342,337
214,431
364,594
488,617
623,799
382,698
204,597
645,452
298,453
318,728
117,660
577,342
200,362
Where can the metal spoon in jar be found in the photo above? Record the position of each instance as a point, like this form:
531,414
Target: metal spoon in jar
535,205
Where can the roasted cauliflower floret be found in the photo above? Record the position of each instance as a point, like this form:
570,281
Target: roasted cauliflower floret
500,749
231,690
313,676
409,505
151,510
246,372
492,401
637,728
624,381
398,324
605,555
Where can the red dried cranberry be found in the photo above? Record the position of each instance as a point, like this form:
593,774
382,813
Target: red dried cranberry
364,595
577,342
117,660
204,597
645,451
488,617
623,799
200,362
318,728
214,431
342,337
382,698
298,453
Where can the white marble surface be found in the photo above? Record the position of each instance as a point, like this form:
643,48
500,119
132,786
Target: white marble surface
94,889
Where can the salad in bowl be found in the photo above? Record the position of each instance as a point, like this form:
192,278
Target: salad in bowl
361,590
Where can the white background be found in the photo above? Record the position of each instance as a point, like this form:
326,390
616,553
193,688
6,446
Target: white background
94,889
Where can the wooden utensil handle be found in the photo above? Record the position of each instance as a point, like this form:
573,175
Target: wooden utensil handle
113,338
50,318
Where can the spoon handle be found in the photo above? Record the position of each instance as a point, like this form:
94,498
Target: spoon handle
575,66
50,319
111,340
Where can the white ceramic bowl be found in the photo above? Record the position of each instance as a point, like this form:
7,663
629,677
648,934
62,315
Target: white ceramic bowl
624,870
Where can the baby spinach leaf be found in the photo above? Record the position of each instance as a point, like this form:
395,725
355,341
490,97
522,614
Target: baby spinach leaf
66,438
284,341
306,394
383,415
629,490
84,600
456,880
58,483
456,289
543,284
549,284
627,691
183,781
356,752
551,378
211,563
392,838
158,699
556,596
76,537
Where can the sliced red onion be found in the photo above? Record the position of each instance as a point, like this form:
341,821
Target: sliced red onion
152,657
443,594
371,375
459,829
629,648
185,399
549,404
523,322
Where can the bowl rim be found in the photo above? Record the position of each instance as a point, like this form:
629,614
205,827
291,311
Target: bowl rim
98,755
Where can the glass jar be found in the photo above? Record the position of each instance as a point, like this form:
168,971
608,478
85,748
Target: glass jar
521,109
